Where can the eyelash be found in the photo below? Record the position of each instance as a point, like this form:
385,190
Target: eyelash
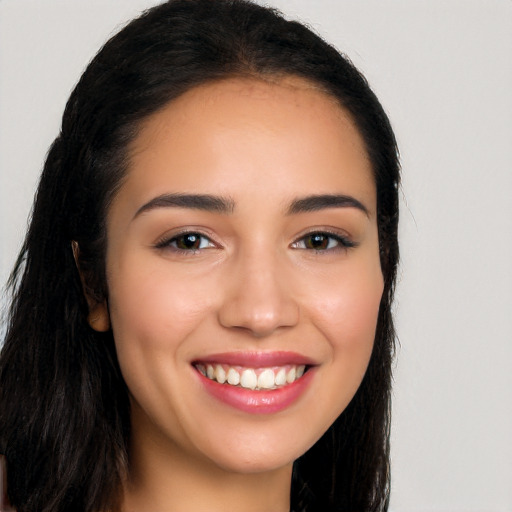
340,242
335,242
172,243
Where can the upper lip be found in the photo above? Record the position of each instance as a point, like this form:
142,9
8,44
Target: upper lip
257,359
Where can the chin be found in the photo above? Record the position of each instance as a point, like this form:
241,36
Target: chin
255,463
259,453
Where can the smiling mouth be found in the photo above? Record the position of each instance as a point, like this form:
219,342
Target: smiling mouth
258,379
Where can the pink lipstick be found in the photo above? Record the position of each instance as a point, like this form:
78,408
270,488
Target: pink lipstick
256,382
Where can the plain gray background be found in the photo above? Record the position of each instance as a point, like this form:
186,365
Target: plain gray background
443,70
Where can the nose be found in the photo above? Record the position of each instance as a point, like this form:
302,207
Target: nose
259,298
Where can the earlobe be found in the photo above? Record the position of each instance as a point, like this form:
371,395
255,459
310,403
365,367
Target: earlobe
98,317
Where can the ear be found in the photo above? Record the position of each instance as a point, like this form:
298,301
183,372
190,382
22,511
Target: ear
98,317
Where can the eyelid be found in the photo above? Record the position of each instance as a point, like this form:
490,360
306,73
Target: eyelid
165,241
345,242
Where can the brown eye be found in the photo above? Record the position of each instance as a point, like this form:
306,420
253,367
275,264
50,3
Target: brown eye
317,241
321,241
186,242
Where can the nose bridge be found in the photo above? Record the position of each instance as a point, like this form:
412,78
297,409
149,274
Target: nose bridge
260,298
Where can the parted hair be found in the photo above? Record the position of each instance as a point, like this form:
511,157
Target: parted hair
64,407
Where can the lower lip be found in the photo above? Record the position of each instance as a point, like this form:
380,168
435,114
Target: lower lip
258,402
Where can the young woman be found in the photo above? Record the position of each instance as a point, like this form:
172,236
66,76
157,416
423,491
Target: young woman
201,310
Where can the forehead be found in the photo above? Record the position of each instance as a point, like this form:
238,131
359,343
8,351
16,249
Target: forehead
242,136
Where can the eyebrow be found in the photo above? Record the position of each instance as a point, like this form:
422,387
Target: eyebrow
225,205
205,202
321,202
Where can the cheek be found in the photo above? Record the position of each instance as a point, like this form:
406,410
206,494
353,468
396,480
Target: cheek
347,309
156,307
344,309
346,314
347,317
153,313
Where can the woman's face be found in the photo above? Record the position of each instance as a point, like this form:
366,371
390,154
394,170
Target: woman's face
243,247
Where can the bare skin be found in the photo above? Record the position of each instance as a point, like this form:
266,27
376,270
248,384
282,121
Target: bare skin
282,263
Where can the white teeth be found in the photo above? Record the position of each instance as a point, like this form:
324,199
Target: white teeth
266,379
248,379
290,376
233,377
281,377
220,374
